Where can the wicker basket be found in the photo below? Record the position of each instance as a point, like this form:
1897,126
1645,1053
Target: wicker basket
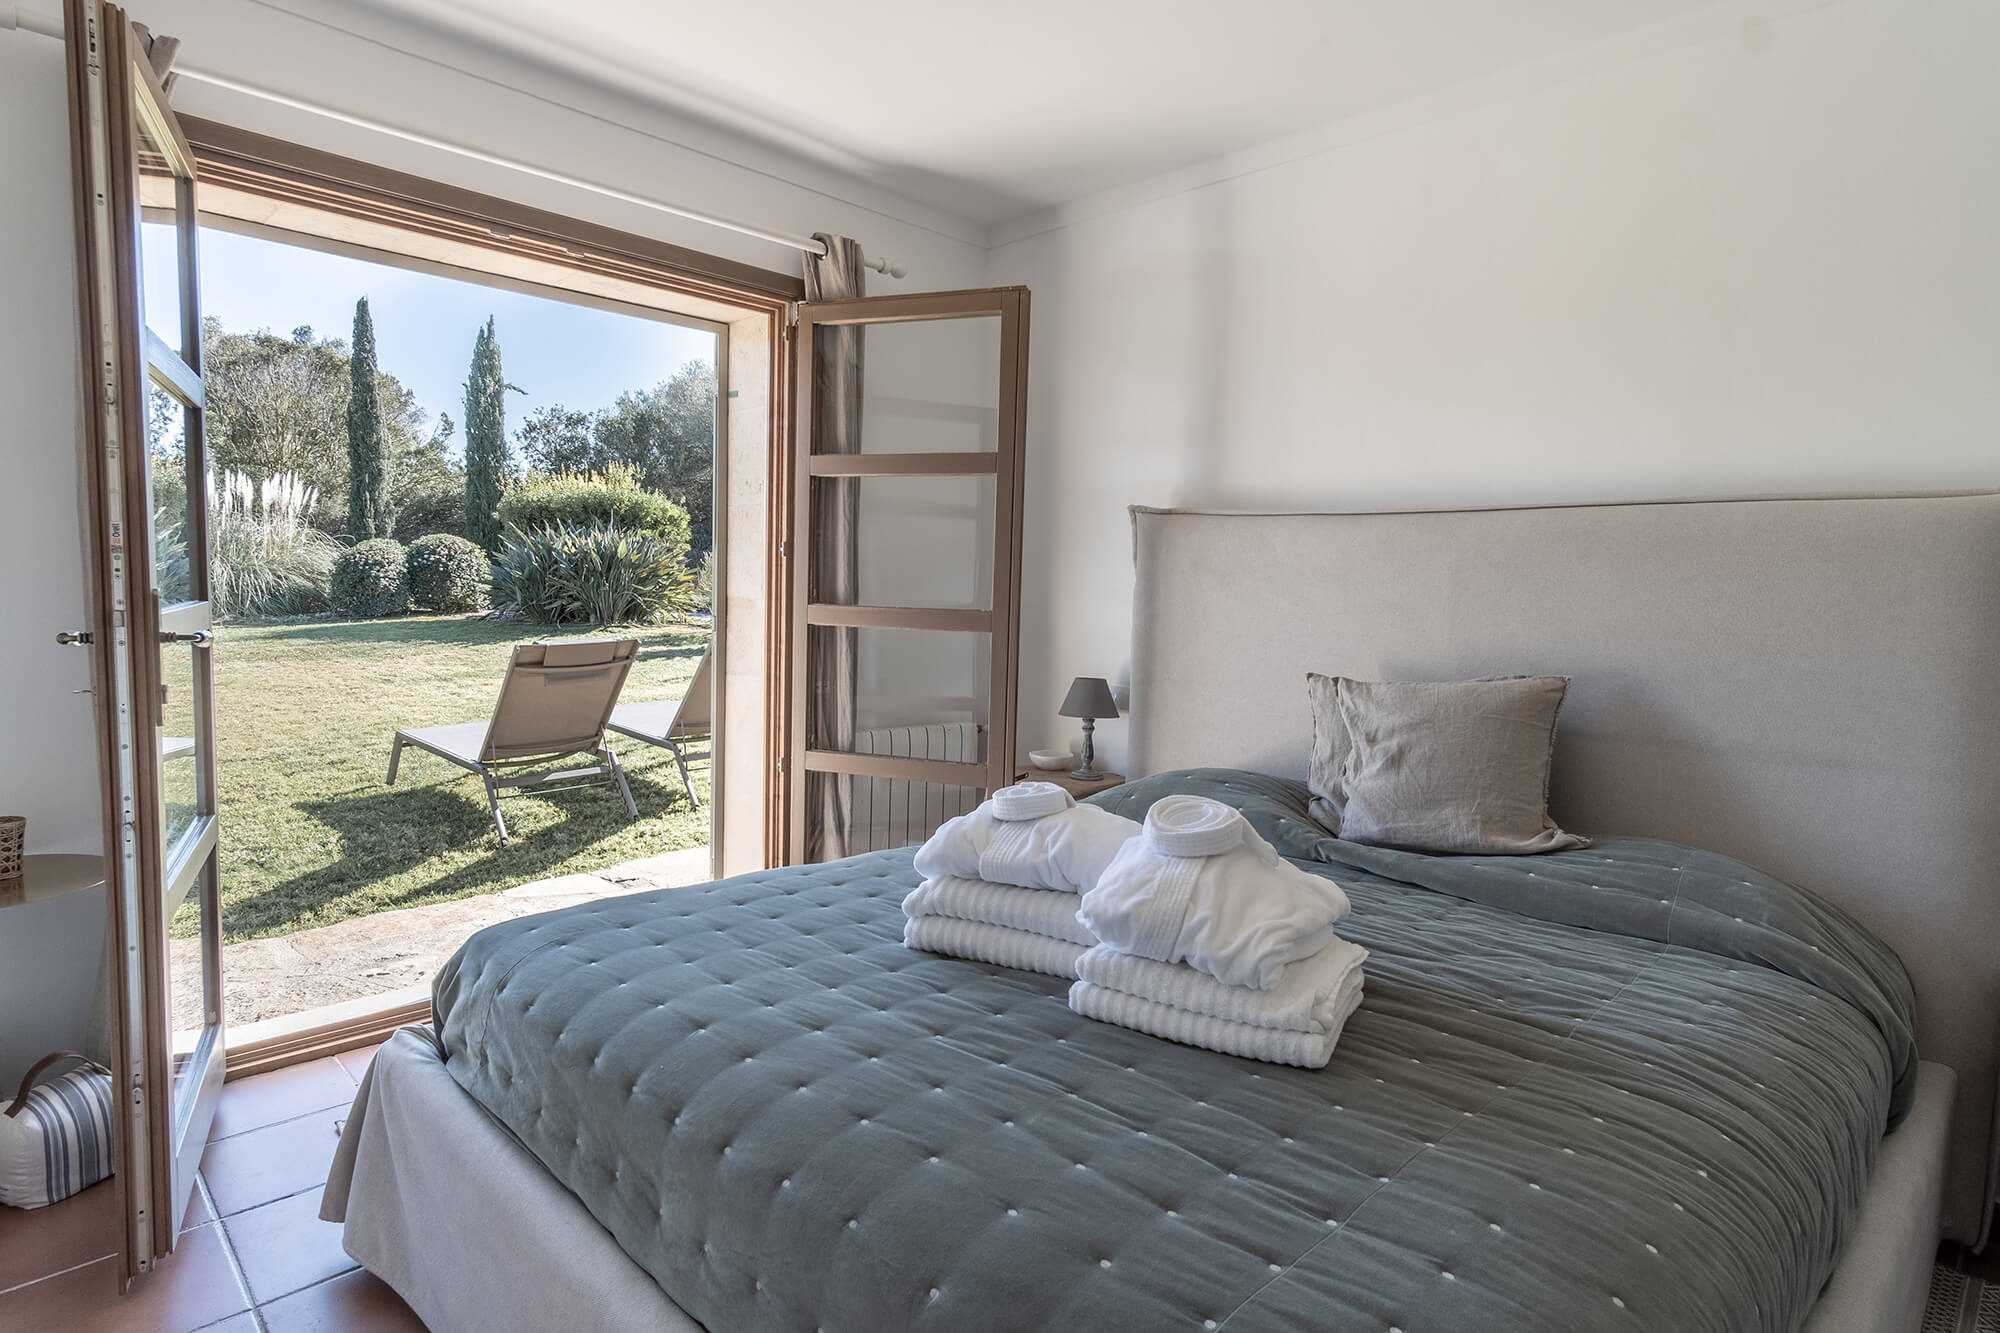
13,842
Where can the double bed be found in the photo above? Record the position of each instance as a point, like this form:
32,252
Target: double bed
1632,1086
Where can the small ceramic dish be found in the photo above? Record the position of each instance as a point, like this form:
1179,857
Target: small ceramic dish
1051,760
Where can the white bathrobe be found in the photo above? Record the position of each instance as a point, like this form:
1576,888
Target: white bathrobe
1199,886
1032,835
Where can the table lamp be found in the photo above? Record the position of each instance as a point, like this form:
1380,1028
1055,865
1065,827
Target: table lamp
1089,698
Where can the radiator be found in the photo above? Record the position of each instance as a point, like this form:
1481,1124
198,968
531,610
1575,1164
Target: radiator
889,812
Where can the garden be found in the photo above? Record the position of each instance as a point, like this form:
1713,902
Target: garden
396,606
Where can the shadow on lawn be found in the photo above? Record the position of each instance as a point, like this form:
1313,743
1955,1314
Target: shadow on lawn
418,631
385,832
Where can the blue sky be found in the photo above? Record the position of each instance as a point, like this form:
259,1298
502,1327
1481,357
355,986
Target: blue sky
424,325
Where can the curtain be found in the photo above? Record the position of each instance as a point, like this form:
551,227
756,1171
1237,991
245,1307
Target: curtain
835,559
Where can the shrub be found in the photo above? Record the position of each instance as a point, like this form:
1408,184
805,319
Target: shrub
265,557
613,498
704,584
369,579
436,505
447,573
565,574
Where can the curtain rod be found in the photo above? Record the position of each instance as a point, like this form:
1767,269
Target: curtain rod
15,15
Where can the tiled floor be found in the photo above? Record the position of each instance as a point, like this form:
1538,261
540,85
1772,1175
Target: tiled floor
253,1254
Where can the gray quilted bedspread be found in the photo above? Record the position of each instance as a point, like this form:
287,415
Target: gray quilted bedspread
1631,1087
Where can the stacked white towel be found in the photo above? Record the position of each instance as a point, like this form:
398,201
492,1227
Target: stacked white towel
1210,938
1038,846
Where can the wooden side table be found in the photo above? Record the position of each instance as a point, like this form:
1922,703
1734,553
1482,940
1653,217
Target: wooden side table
1061,778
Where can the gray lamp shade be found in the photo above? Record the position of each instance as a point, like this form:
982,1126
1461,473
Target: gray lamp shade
1089,696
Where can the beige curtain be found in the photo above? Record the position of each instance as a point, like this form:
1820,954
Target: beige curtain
836,506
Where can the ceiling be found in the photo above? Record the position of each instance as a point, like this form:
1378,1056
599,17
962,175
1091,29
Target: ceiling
993,110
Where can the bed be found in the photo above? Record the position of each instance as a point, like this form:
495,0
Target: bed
1579,1093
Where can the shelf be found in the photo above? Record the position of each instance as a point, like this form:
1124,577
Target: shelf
45,876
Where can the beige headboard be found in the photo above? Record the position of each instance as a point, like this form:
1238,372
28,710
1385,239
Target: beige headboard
1812,685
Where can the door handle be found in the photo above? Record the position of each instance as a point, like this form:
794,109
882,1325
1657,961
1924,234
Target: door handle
68,637
201,638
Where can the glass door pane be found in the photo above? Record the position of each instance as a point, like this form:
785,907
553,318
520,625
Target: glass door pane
167,291
918,541
929,387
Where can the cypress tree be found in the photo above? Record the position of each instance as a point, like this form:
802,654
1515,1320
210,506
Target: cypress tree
368,511
485,441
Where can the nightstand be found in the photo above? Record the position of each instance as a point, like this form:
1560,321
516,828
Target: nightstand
1062,779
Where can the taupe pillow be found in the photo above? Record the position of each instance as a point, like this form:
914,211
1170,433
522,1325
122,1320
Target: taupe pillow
1443,766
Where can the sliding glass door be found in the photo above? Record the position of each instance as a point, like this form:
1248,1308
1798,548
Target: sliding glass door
905,538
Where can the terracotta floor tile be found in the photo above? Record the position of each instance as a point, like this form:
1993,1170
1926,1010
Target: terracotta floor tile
355,1062
282,1094
35,1242
357,1302
58,1302
283,1246
198,1213
191,1288
236,1323
270,1163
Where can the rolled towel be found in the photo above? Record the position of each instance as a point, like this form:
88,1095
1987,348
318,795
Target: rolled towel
1275,1045
1065,849
1030,800
1313,995
1239,915
1038,911
992,944
1186,825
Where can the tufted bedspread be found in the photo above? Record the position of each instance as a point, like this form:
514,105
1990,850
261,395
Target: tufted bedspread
1630,1087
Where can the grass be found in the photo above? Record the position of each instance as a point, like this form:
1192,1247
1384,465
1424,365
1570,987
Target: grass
311,835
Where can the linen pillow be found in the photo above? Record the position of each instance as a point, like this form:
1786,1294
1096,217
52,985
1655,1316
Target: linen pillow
1444,766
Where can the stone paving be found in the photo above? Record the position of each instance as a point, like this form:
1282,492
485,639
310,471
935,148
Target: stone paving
388,951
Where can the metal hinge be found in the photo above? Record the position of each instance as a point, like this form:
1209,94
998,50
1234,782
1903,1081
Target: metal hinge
784,549
781,763
791,314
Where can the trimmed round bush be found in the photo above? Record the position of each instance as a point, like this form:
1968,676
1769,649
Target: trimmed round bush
369,579
447,573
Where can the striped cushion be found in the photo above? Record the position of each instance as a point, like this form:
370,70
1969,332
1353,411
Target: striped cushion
60,1142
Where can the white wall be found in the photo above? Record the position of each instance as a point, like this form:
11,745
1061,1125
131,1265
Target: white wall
49,952
1733,255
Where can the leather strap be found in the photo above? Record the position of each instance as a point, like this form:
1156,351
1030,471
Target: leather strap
35,1070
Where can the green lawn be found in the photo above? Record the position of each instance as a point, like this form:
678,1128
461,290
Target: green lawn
311,835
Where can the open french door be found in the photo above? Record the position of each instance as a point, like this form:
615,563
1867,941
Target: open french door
152,624
904,555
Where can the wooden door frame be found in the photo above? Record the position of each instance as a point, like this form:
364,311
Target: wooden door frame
1002,621
242,161
108,78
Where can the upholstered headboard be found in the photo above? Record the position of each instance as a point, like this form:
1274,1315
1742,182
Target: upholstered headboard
1812,685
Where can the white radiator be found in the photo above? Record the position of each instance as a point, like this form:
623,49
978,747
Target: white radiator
889,812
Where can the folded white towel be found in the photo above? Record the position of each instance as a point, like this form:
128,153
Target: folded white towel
1065,849
992,944
1313,995
1037,911
1239,915
1275,1045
